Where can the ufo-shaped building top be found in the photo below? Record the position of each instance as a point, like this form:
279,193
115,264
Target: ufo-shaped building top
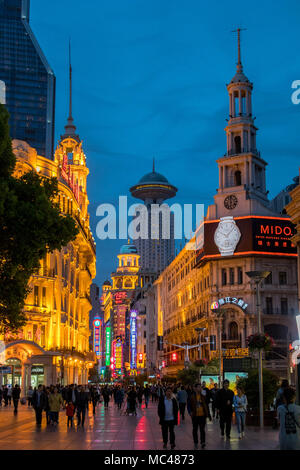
153,186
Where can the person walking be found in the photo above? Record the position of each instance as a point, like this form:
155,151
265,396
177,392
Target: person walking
29,396
81,405
1,395
147,395
106,395
39,402
289,421
16,392
182,397
140,394
168,416
213,394
224,403
199,413
240,407
55,403
70,411
5,395
9,394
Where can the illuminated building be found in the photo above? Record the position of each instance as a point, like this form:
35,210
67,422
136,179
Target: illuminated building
293,209
55,339
240,233
155,254
116,299
28,78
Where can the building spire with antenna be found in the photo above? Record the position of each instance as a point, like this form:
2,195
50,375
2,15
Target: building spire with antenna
153,170
70,127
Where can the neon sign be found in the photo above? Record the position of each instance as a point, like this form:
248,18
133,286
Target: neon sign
107,345
97,336
120,296
229,300
118,354
133,338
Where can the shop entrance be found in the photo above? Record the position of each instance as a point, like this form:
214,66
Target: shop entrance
11,372
37,375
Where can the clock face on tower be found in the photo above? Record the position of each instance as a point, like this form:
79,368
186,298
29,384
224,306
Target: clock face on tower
230,202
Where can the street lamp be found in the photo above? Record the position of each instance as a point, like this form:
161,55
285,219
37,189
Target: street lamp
257,277
199,331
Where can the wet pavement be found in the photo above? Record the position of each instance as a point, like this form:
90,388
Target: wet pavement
111,429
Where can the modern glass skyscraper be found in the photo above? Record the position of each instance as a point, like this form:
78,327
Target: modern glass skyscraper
29,80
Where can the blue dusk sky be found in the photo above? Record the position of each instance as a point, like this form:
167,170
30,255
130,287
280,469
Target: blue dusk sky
149,80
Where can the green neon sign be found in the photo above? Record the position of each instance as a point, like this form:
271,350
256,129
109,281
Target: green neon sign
108,344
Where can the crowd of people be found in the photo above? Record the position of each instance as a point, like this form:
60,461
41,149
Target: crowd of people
173,402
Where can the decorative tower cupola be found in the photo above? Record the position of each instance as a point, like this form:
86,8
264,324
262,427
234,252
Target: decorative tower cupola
241,132
242,178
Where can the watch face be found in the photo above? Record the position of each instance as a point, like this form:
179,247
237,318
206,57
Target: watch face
230,202
227,236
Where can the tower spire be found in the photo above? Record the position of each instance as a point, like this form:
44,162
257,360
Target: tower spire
70,82
239,66
70,127
153,169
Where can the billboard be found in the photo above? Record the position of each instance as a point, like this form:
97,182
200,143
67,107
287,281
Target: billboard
233,378
258,235
210,380
97,337
107,345
133,339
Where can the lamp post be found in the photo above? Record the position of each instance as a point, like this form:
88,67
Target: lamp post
199,331
257,277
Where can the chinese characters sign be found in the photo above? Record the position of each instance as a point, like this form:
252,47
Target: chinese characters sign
133,338
229,300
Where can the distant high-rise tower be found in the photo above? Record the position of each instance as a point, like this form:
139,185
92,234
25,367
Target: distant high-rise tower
29,80
155,254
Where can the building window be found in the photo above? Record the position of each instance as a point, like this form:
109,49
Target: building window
268,279
240,276
224,277
36,295
284,306
233,330
237,178
269,305
44,297
282,278
231,276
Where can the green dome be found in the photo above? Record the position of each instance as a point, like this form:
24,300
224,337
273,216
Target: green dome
153,177
128,249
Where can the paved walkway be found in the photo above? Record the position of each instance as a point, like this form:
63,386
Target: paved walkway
110,430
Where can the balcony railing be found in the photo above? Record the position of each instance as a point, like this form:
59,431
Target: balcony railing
233,152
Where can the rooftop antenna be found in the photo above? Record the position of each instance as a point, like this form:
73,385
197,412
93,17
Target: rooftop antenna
153,165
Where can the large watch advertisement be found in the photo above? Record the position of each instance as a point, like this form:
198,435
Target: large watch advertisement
249,235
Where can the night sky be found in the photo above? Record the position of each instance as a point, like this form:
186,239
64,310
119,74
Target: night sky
149,80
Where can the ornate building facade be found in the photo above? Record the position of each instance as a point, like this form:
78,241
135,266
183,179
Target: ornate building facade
240,233
53,347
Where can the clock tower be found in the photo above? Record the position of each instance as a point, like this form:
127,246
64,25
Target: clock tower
242,178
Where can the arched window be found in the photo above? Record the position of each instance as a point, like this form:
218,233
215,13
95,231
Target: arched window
237,178
128,283
233,330
238,144
119,284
